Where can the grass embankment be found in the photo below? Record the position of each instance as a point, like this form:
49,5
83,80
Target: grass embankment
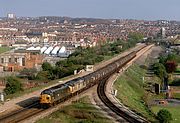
173,110
131,92
4,49
81,111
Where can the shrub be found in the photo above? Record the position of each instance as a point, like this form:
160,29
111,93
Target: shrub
13,85
164,116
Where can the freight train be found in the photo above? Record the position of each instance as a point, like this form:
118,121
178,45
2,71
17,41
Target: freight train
61,92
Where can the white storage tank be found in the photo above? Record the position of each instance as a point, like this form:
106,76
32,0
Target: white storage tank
43,49
30,48
37,48
48,51
62,50
55,50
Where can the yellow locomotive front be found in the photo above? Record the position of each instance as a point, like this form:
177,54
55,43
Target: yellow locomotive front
45,99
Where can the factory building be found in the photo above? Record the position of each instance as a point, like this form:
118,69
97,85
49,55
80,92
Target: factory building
18,61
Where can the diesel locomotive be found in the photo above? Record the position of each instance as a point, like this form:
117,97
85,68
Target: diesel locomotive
61,92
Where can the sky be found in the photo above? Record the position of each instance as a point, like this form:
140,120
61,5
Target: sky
115,9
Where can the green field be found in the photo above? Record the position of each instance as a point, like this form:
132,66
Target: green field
175,111
81,111
4,49
131,91
176,95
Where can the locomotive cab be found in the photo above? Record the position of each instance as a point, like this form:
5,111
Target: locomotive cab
45,97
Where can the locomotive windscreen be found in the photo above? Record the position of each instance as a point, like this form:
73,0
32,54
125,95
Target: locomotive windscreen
46,92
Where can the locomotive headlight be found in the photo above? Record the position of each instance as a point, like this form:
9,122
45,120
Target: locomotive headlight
45,98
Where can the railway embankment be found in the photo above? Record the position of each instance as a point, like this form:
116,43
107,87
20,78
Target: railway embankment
134,88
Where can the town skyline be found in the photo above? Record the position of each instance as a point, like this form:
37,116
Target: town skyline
140,10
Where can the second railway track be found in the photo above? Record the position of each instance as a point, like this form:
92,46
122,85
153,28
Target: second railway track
113,107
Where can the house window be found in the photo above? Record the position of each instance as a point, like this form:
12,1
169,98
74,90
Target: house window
15,59
23,61
10,60
2,60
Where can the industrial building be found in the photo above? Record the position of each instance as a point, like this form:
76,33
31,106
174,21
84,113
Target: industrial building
55,51
18,61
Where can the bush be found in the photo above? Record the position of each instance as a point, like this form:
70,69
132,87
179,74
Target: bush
28,73
43,75
160,70
164,116
13,85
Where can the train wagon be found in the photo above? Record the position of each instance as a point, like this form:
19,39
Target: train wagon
61,92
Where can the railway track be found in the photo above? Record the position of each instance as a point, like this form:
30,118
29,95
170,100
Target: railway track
35,109
22,114
126,115
113,107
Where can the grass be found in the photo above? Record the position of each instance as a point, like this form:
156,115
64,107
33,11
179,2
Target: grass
30,90
173,110
81,111
4,49
176,95
131,91
175,82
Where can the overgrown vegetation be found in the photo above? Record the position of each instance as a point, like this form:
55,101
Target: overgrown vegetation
164,116
13,85
81,111
166,65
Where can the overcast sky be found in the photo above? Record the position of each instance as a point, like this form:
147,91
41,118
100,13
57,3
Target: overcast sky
120,9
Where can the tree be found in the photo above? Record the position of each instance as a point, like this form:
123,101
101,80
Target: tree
135,37
171,57
170,66
162,60
160,70
13,85
164,116
47,66
43,75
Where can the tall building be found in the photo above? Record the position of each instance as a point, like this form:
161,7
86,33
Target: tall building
11,16
163,32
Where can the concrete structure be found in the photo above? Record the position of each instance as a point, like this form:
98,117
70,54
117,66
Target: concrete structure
90,68
11,16
163,32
